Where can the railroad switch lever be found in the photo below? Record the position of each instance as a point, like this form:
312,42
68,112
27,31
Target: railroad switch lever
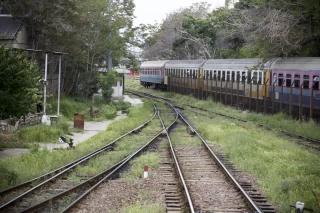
64,140
300,207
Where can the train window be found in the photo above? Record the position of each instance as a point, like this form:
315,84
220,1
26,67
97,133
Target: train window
215,74
249,77
315,82
205,74
228,76
255,77
223,75
305,81
297,81
210,75
219,75
280,79
288,80
260,77
243,77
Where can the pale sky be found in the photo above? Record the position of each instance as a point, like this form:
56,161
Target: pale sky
149,11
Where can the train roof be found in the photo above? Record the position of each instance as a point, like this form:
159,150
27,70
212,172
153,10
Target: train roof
234,64
301,64
185,64
153,64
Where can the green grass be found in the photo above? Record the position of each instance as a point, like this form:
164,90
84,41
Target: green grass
69,106
43,133
151,160
286,171
123,149
181,137
140,208
33,164
278,121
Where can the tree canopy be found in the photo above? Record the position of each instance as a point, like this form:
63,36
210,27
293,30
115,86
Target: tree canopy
19,92
84,29
253,28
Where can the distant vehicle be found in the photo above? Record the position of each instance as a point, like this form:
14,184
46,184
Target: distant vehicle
286,84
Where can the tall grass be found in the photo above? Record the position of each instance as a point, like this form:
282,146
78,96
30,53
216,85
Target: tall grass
278,121
151,160
123,149
36,163
43,133
286,172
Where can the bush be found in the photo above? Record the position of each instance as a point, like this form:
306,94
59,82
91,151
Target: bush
42,133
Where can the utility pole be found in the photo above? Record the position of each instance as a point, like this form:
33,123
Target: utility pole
110,36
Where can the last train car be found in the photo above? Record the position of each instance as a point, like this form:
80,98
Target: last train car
152,74
295,78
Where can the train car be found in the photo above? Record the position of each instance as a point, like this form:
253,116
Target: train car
290,84
152,73
295,81
184,75
235,76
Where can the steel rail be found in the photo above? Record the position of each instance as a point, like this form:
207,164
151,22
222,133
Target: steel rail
177,163
229,175
309,139
314,140
70,165
114,171
52,199
29,182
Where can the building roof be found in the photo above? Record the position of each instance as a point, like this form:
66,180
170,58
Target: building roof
8,27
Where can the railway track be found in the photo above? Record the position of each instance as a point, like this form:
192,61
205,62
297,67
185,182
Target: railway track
303,140
200,168
152,145
55,184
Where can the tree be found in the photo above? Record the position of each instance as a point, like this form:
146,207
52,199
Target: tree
19,83
106,80
171,41
80,28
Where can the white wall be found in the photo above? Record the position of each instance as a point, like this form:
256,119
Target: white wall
118,90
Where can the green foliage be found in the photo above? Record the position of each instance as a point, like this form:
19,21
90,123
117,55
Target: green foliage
45,161
121,105
19,83
286,171
137,165
80,28
105,82
43,133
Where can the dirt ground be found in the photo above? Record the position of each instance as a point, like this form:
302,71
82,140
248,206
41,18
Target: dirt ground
114,195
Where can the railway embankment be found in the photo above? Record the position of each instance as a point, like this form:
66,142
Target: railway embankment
279,166
18,170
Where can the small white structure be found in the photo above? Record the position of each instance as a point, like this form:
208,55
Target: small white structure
118,87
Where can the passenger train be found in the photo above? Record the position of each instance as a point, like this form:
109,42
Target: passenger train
290,84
